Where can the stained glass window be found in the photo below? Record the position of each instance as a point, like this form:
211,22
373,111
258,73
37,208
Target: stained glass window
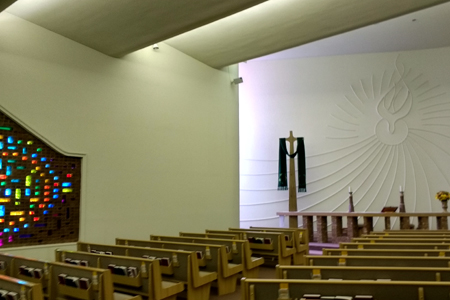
35,206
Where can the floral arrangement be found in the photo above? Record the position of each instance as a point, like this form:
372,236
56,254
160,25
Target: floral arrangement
443,196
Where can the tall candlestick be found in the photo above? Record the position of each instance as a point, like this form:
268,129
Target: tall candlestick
351,208
402,201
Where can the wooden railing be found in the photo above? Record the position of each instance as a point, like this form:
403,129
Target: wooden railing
353,228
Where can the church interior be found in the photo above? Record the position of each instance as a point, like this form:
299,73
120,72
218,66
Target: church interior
243,149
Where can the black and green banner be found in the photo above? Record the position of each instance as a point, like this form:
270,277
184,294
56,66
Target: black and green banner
301,165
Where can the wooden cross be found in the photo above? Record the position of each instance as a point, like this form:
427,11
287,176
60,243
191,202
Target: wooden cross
293,220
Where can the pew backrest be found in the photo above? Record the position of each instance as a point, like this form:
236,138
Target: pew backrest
385,252
31,270
20,289
266,243
363,272
406,236
234,248
261,289
5,263
298,236
412,232
401,240
387,261
411,246
209,235
179,265
212,257
70,281
130,275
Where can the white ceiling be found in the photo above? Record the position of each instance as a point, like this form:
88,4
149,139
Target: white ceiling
240,30
425,29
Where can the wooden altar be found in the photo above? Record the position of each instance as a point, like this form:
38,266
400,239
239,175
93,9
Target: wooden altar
354,229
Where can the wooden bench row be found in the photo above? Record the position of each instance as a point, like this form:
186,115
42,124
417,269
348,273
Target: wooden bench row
380,273
283,245
397,272
62,281
386,252
262,289
15,289
238,252
178,266
212,258
136,276
401,239
412,232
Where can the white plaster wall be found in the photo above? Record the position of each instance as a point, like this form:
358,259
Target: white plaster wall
343,106
158,130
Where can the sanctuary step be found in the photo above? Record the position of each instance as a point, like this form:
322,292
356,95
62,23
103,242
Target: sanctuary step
316,248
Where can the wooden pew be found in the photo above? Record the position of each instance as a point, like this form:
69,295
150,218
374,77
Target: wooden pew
412,232
38,271
385,252
363,272
210,235
298,238
84,283
270,245
262,289
146,279
401,240
31,270
5,263
215,259
410,246
177,265
239,251
406,236
387,261
19,289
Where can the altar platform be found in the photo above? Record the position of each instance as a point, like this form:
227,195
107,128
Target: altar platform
339,220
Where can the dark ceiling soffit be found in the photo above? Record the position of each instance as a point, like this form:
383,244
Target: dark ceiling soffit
5,3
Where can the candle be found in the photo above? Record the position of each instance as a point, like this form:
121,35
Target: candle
401,189
349,189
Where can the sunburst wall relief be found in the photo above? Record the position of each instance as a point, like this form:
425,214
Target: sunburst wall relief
376,123
395,119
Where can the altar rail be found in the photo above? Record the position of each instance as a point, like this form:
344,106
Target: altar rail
353,228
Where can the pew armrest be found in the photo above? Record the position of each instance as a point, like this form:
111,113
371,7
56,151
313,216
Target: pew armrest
169,288
232,269
254,262
120,296
203,277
